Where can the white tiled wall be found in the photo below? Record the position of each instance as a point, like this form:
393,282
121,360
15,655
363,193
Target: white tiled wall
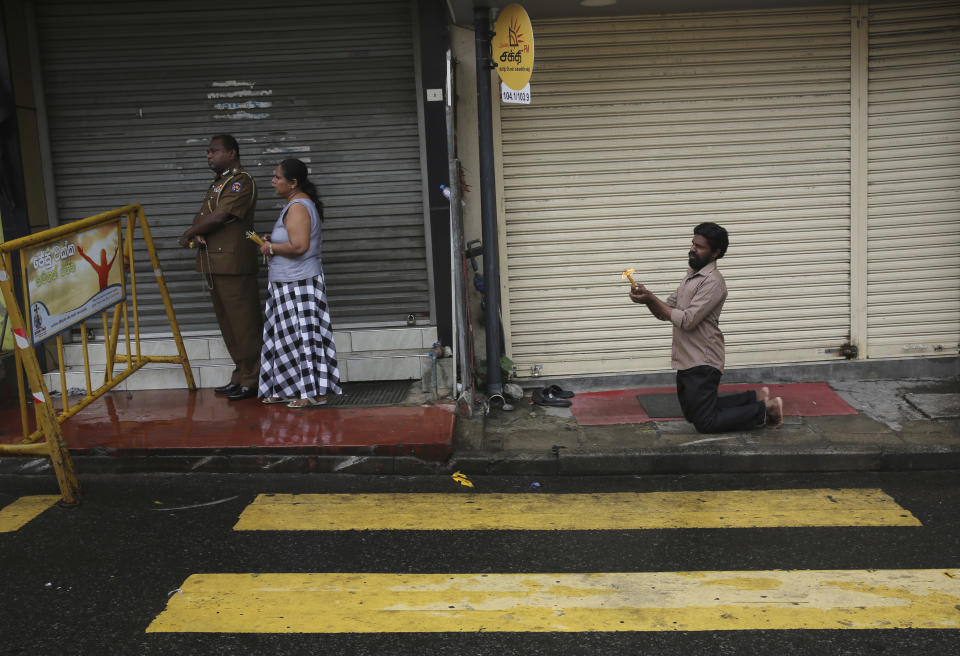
399,368
213,348
363,354
385,340
198,348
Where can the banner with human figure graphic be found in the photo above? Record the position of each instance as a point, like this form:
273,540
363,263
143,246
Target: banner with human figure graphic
73,277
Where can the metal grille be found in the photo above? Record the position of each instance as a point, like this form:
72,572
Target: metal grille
644,126
913,228
389,392
135,90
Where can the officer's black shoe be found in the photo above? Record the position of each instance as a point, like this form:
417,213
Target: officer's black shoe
243,393
229,388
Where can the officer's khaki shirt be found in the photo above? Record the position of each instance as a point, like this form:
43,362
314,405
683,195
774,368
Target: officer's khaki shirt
696,304
228,250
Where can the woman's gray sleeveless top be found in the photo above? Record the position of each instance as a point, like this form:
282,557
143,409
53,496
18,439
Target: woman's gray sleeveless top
289,269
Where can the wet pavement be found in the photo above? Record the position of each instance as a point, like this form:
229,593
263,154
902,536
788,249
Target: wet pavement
870,425
165,425
858,425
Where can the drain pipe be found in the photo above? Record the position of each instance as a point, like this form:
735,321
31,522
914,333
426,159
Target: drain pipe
488,198
457,294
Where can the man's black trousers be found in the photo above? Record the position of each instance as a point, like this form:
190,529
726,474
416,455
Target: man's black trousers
697,391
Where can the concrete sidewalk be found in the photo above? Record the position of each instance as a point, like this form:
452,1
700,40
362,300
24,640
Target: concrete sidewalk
902,424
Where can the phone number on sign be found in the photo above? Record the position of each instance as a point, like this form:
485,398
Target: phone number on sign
509,95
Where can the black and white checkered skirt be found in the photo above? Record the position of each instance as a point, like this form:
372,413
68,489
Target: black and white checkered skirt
299,358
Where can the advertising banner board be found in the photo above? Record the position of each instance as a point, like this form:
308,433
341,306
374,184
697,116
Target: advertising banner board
72,278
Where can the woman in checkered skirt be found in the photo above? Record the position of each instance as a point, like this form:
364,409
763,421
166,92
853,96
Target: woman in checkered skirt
298,364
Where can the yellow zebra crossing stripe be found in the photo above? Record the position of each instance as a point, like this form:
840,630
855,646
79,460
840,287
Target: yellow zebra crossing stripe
535,511
640,601
21,511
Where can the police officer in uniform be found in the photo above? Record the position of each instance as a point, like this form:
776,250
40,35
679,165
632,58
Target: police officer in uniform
228,262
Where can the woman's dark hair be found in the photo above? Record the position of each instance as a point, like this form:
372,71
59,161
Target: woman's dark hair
294,169
715,235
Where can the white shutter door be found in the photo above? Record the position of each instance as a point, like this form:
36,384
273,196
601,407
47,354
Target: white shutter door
134,91
913,281
642,127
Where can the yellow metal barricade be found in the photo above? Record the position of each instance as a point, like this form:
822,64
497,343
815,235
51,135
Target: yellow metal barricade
29,376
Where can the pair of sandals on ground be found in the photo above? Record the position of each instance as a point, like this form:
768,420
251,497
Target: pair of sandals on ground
309,402
552,396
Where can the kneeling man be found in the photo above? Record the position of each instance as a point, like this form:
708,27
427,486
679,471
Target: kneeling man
698,347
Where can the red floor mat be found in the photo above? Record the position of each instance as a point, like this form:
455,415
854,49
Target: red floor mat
622,406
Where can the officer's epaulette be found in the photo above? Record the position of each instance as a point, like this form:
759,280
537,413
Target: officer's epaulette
235,173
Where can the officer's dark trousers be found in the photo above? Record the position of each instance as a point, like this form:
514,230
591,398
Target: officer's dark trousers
697,391
237,304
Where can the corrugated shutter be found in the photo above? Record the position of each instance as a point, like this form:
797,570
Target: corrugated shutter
642,127
913,281
135,90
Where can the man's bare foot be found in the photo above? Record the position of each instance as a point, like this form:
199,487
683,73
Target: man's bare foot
763,394
774,412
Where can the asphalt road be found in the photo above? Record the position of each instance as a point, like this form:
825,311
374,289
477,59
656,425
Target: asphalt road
90,580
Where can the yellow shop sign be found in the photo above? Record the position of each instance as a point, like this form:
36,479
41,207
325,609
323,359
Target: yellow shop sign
513,47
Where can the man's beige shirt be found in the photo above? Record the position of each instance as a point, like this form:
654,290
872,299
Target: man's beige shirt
696,304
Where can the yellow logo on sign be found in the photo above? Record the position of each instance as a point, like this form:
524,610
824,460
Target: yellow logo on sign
513,47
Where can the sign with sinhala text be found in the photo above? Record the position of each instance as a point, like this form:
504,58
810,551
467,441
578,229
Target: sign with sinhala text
513,47
72,278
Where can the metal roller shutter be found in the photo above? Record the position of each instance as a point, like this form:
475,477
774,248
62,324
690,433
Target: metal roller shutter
642,127
913,281
135,90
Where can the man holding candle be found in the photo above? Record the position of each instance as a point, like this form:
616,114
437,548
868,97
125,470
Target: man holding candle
698,346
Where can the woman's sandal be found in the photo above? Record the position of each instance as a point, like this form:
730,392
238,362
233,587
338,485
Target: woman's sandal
270,400
308,403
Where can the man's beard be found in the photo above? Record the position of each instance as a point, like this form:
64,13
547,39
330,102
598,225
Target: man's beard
695,262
